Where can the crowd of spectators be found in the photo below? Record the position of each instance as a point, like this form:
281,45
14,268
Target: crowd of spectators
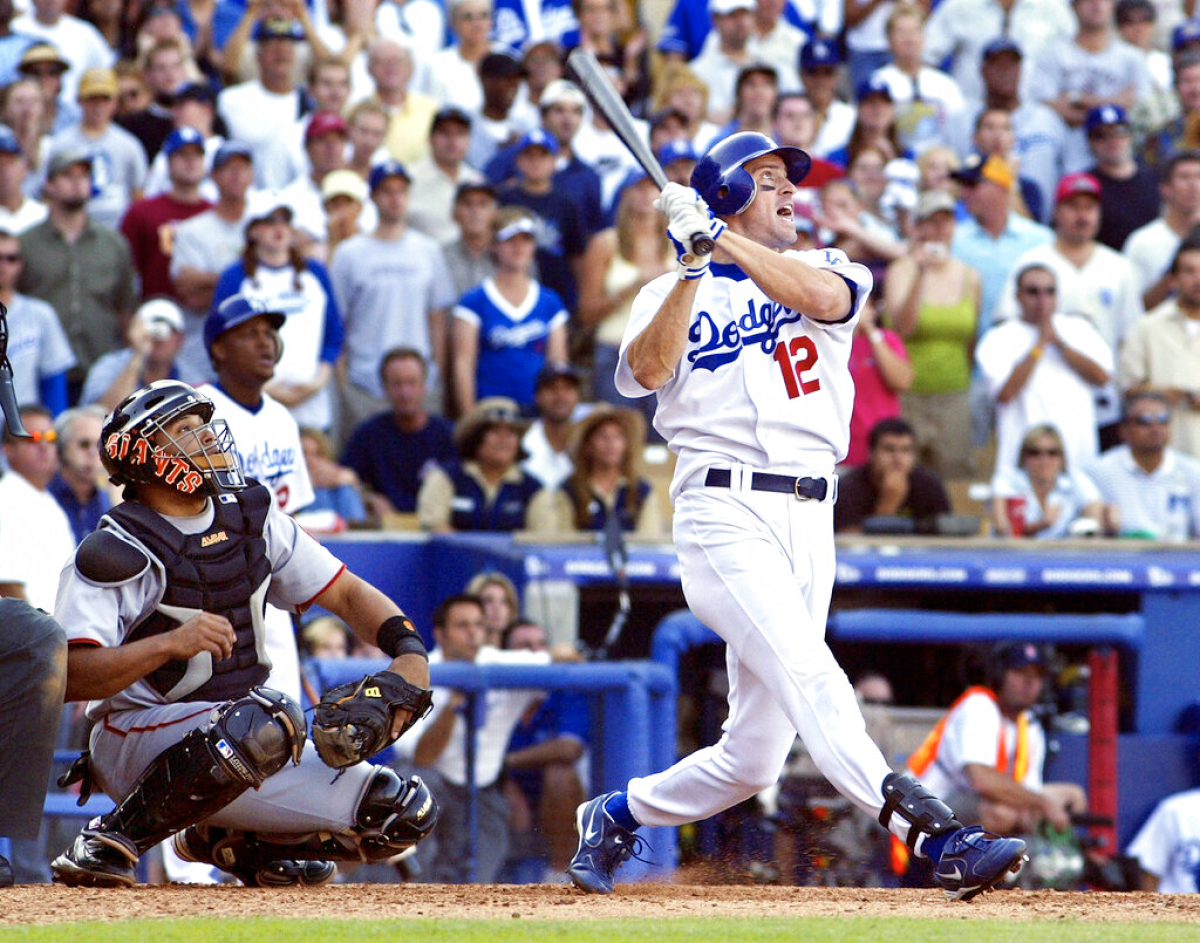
421,189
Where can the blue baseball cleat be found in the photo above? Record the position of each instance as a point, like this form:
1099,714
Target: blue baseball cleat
975,861
603,847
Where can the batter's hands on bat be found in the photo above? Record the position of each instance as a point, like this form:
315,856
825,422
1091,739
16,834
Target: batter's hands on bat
688,216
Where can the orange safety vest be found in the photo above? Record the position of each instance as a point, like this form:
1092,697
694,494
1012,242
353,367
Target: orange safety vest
923,757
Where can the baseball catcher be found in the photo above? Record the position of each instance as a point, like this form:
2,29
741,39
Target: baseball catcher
163,610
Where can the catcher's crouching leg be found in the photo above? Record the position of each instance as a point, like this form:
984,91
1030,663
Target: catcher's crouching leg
245,741
393,815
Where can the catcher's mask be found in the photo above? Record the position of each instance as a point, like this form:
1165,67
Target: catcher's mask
135,446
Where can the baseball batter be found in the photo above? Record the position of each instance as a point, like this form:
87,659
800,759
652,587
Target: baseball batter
748,353
163,610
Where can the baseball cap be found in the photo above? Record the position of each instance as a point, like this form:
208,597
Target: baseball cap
679,149
325,122
235,310
977,167
228,151
389,168
68,157
518,227
1000,46
261,204
1019,655
538,137
560,91
181,138
474,186
98,83
1075,184
934,201
819,51
277,27
450,114
159,313
1105,116
499,65
8,141
194,92
724,7
1185,34
39,53
553,370
663,115
548,43
344,183
873,86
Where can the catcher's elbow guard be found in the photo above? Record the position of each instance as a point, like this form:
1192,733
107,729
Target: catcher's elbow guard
395,813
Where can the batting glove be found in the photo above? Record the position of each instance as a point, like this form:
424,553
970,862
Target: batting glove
687,224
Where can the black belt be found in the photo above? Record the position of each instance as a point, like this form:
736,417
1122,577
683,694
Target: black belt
804,489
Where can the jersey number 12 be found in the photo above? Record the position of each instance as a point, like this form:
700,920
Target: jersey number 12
794,358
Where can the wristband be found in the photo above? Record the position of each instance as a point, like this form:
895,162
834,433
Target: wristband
875,336
398,636
1036,352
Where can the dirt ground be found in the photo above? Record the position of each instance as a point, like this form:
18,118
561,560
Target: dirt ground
52,904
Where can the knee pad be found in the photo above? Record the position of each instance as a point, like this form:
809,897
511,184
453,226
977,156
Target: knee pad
903,795
394,814
256,735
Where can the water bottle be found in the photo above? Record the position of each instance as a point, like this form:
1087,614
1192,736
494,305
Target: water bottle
1179,516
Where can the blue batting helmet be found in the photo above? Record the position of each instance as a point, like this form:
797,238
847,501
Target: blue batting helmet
720,177
235,310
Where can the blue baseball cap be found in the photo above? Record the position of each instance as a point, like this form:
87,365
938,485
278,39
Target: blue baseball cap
8,141
229,150
872,86
538,137
389,168
819,51
238,309
1000,46
1185,34
1105,116
277,27
183,137
680,149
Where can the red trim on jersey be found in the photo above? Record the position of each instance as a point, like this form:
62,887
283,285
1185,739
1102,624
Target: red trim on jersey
170,723
83,641
310,602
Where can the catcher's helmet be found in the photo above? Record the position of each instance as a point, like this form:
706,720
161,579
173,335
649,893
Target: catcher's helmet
201,460
235,310
726,187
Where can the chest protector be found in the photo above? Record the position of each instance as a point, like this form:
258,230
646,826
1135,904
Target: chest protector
223,570
470,509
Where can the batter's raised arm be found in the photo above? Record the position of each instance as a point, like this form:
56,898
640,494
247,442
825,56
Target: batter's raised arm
819,293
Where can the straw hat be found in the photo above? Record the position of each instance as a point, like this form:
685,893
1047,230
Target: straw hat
632,423
488,412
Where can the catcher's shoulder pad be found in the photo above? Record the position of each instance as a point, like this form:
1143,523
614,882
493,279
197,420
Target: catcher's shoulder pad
104,559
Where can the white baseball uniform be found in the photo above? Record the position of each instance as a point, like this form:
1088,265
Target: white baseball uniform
268,444
1168,844
137,724
759,388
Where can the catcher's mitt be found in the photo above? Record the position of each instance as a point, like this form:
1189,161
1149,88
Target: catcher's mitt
353,721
